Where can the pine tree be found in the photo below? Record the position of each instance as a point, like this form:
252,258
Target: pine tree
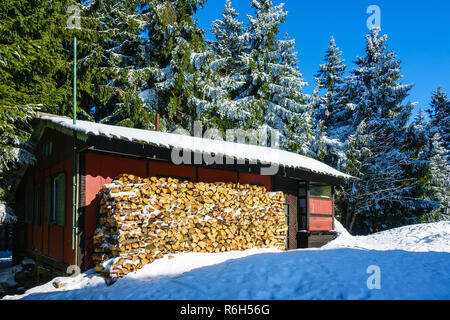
14,151
34,66
439,186
330,110
34,75
228,33
153,61
121,62
439,154
439,113
228,69
263,56
14,132
272,83
418,148
181,59
330,77
380,198
290,105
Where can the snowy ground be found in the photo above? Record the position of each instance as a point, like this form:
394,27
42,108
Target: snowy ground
413,261
5,266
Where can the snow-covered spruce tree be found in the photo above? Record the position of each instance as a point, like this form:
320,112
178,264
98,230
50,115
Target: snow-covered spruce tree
330,77
14,151
439,113
330,111
439,154
379,199
121,61
180,85
228,67
152,62
228,33
439,186
417,145
273,84
296,114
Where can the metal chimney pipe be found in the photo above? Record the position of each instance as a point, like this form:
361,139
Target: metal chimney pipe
157,122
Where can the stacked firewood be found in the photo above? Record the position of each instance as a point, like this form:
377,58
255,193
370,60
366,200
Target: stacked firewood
144,219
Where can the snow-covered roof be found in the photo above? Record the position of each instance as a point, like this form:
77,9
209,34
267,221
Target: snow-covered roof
238,151
6,214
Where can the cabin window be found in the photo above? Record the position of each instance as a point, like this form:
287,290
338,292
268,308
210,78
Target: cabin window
320,190
56,199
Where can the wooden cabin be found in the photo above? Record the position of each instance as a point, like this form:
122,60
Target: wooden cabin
57,229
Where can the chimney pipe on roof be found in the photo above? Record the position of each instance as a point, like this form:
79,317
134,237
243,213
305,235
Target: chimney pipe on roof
157,122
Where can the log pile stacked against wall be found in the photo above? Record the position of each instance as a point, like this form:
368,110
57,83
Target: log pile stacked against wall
144,219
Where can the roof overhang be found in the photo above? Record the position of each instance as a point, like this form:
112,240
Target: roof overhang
253,154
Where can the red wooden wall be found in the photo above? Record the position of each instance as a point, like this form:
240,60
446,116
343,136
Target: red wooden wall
50,240
320,206
320,223
214,175
255,179
320,214
168,169
102,169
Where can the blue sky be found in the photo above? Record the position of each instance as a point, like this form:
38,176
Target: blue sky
419,33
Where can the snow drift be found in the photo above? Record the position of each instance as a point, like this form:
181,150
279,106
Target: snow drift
413,263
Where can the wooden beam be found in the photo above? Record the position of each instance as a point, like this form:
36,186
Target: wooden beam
307,204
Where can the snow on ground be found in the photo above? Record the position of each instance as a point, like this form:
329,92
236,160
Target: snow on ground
419,237
5,266
414,263
5,258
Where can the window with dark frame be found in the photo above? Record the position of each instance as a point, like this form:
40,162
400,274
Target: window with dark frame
320,190
56,199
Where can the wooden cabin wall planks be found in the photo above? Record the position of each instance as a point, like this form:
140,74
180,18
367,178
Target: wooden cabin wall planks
101,169
321,214
320,223
320,206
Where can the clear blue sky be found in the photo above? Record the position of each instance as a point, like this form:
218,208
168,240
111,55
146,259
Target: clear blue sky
419,33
